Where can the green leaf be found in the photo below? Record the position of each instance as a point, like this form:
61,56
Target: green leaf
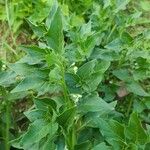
112,130
35,114
16,96
39,30
93,81
53,73
145,5
29,83
115,45
107,3
48,87
87,69
22,69
85,30
102,66
121,5
136,89
82,146
76,20
52,59
34,54
122,74
90,43
93,72
104,54
135,132
101,146
66,118
132,146
54,36
37,131
48,144
7,78
72,81
52,13
93,103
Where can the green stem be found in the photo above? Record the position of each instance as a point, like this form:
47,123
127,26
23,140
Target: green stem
7,145
111,32
71,138
65,90
129,107
7,13
8,20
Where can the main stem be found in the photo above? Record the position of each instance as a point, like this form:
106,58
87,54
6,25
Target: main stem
71,135
65,90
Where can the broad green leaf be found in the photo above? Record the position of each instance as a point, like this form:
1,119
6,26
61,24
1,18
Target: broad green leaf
142,54
101,146
145,5
90,43
122,74
52,13
102,66
76,20
132,146
7,78
65,9
85,30
60,143
34,54
35,114
52,59
140,75
139,106
82,146
38,130
104,54
66,118
93,103
48,144
96,75
34,50
16,96
121,5
135,132
112,130
54,36
147,146
44,103
39,30
48,87
53,73
23,69
29,83
16,143
115,45
135,88
29,60
107,3
93,81
72,81
87,69
39,10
